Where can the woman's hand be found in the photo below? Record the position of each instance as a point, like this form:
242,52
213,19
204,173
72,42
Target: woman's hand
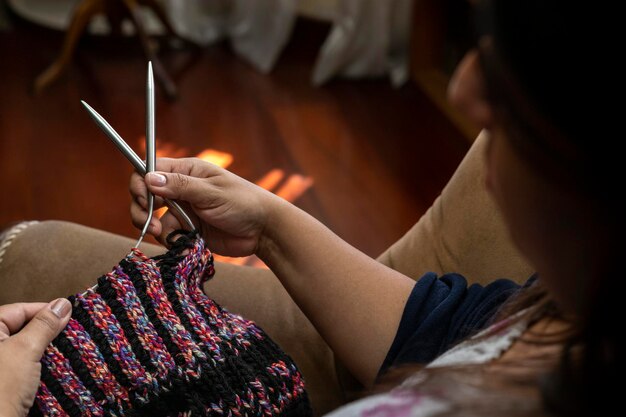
324,275
26,329
230,212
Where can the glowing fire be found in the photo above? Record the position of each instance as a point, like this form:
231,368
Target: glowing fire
218,158
288,187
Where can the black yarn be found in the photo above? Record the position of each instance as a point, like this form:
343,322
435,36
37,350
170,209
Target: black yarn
146,302
109,296
218,382
167,266
80,369
251,360
57,390
238,372
101,342
35,412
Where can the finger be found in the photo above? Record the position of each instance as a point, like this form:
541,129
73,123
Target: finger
13,316
43,328
139,215
141,201
193,167
139,194
137,186
177,186
158,202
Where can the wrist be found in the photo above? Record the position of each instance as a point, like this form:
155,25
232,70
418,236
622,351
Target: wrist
277,214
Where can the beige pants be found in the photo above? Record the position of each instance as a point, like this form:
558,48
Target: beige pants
462,232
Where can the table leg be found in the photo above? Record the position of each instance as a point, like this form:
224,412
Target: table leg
81,17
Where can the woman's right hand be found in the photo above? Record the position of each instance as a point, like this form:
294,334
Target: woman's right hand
230,212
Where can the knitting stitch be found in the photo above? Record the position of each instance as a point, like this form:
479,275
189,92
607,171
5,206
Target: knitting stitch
147,341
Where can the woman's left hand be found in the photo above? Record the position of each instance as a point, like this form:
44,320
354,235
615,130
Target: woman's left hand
26,329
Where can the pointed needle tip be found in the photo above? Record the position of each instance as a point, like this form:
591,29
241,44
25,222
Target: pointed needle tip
150,74
88,107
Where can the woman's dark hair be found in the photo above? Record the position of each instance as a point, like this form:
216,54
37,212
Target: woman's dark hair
550,68
551,73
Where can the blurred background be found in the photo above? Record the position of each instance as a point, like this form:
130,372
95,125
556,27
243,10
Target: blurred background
336,105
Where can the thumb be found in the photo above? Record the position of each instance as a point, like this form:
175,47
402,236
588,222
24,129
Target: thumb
43,328
175,186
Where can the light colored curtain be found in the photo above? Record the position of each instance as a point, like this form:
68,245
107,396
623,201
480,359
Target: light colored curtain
257,29
369,38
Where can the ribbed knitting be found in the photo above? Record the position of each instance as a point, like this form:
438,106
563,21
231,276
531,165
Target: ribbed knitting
147,341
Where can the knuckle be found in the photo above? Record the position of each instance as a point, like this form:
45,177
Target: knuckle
141,201
181,181
136,220
187,165
197,166
134,209
47,321
135,181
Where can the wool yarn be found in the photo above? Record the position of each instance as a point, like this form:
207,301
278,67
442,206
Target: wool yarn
147,341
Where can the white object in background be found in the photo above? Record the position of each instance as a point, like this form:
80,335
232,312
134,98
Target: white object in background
369,38
258,30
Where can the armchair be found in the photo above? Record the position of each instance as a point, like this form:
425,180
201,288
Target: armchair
462,232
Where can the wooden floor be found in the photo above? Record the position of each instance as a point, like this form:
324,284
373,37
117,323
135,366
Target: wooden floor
373,157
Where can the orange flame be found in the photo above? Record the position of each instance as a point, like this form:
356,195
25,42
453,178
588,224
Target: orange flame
295,186
271,179
218,158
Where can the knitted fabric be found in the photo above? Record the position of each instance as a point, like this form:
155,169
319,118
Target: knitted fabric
147,341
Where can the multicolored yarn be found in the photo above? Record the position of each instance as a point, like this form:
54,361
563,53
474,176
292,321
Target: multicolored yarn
147,341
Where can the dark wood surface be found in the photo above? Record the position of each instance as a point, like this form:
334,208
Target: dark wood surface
441,35
377,156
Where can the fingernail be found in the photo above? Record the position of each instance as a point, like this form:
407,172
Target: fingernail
156,179
60,307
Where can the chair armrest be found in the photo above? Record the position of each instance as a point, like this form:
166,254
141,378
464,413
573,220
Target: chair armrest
461,232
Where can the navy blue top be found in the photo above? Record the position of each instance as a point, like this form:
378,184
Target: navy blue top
442,311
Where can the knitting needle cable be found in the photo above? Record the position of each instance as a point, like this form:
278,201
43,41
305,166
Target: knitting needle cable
150,145
128,152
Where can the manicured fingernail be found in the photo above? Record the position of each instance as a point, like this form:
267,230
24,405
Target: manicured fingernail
60,307
157,179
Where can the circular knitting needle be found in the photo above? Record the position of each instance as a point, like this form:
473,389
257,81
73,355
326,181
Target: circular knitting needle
150,145
128,152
